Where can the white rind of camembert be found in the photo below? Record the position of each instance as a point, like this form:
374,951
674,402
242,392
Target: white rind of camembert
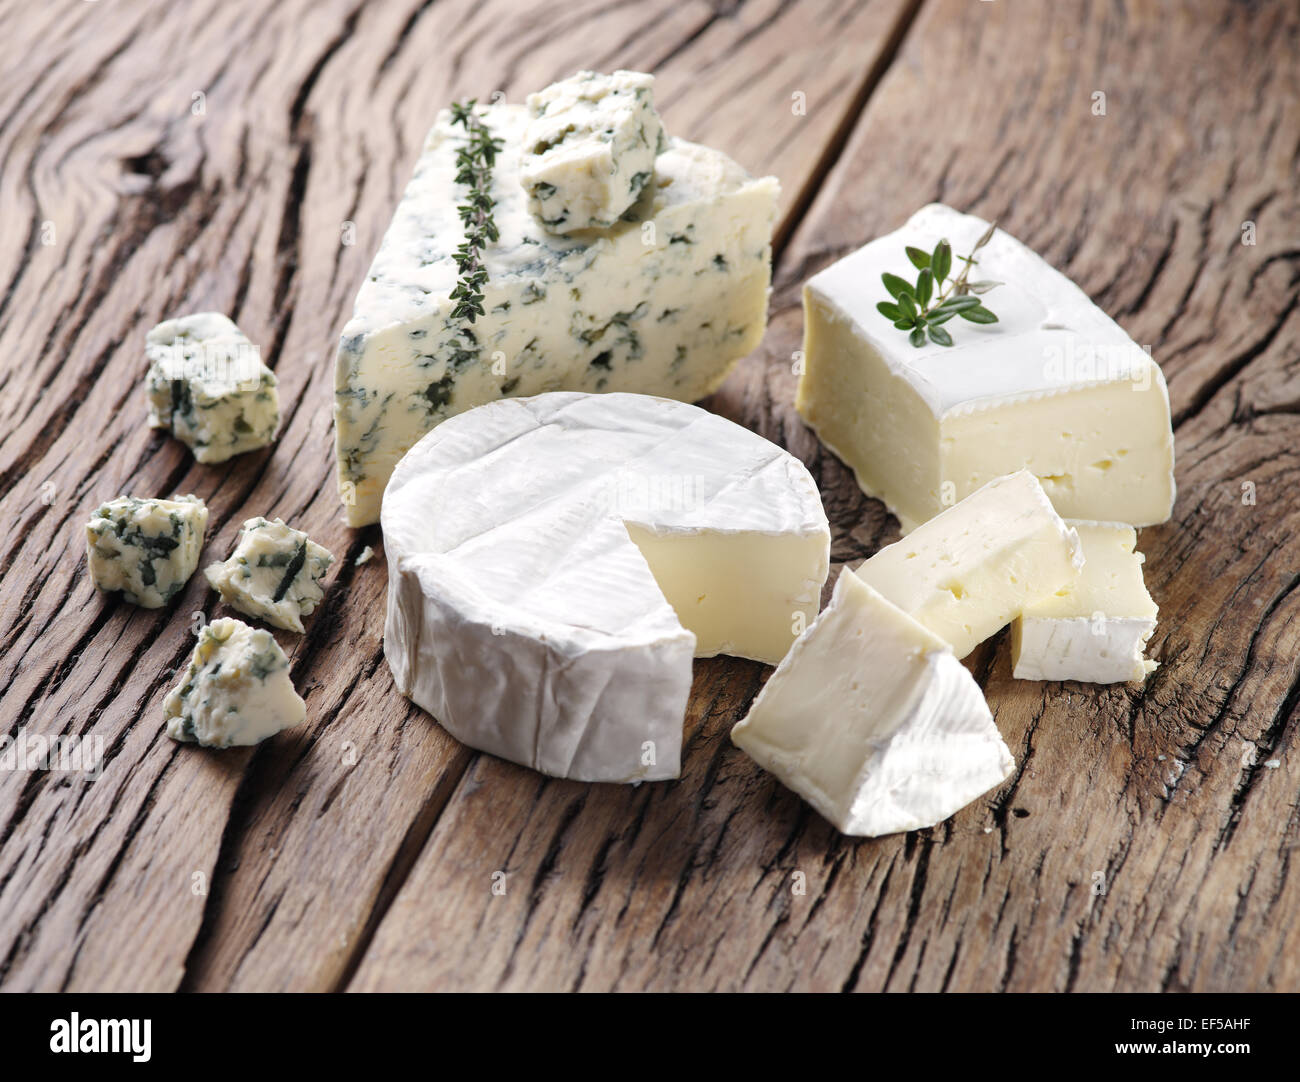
1055,386
663,303
873,721
556,562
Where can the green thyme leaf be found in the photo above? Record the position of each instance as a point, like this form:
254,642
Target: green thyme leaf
897,286
919,311
474,163
941,260
924,287
978,314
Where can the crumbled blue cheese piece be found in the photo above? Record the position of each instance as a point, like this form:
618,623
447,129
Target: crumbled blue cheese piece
236,691
364,556
273,574
590,149
664,303
145,549
207,385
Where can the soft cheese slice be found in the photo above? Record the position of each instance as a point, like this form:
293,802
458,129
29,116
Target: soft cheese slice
873,721
556,562
236,690
589,149
1055,386
971,570
1095,629
663,303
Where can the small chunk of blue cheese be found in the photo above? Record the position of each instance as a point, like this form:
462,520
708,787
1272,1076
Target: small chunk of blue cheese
274,573
590,149
207,385
145,549
664,303
236,691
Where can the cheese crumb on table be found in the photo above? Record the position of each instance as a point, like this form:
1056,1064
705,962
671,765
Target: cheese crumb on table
207,385
236,690
145,549
273,574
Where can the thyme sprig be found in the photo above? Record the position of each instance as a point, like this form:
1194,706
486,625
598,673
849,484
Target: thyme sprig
474,162
912,310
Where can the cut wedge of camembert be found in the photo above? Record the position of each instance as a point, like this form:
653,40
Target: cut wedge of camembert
873,721
1054,386
1096,629
556,562
971,570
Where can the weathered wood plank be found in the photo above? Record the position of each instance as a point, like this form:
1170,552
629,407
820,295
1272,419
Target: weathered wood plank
166,158
1142,843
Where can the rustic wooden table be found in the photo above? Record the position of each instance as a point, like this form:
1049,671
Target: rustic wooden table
160,158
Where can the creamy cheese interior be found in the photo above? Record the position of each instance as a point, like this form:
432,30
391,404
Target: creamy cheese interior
972,569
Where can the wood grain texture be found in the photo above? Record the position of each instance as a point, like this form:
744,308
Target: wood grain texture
1146,837
163,158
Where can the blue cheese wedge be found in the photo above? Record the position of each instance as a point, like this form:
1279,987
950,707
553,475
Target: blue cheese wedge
663,303
590,149
1095,629
145,549
273,574
236,691
208,387
873,721
1055,386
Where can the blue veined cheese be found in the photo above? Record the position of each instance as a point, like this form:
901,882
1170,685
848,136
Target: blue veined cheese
236,691
590,148
207,385
664,303
145,549
273,574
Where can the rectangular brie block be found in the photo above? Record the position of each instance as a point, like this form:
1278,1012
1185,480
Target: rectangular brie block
873,721
974,568
663,303
1095,629
1055,386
